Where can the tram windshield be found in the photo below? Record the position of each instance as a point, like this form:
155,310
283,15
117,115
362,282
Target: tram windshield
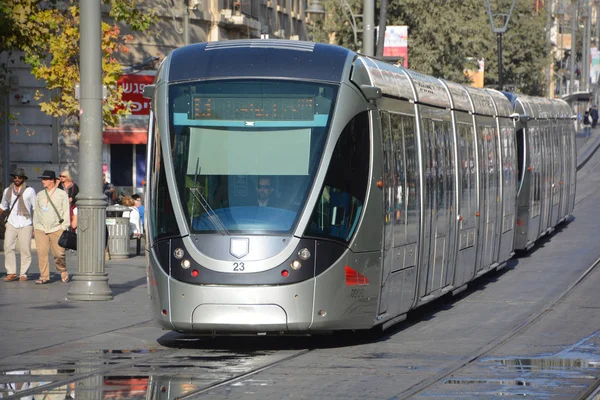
245,152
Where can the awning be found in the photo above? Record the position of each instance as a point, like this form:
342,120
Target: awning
577,96
130,131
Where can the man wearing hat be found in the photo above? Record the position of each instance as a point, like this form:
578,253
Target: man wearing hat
50,219
17,205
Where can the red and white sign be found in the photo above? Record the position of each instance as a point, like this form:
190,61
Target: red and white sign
396,43
133,91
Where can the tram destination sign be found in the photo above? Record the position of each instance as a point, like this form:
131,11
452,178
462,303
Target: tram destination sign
252,108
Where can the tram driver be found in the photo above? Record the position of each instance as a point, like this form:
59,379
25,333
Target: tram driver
264,192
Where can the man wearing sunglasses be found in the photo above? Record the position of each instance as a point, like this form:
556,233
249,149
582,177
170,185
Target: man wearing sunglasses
17,205
264,192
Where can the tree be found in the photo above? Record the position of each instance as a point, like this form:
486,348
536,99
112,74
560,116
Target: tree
447,37
47,35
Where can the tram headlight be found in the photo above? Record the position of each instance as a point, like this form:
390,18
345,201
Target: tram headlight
304,254
179,253
295,265
185,264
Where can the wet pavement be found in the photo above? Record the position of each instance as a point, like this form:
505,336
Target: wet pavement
95,350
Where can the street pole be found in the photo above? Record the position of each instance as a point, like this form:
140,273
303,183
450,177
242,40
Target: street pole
90,282
587,38
368,28
574,7
383,6
503,18
186,23
500,77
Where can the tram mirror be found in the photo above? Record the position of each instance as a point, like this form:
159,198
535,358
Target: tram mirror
149,91
337,217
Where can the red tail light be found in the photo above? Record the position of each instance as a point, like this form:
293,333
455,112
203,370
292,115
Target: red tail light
354,277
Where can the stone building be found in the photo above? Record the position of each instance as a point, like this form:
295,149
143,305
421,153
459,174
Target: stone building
35,141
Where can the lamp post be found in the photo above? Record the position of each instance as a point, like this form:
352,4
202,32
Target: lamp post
587,38
316,12
90,282
499,29
559,14
574,9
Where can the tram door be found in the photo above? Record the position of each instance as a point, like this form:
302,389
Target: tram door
439,209
509,189
490,201
536,187
467,235
546,176
564,160
557,172
401,212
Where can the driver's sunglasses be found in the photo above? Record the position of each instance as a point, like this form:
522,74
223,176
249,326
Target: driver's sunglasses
18,177
264,186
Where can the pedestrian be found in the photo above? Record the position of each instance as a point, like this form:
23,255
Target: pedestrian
67,184
594,115
140,207
135,228
109,191
587,121
17,205
50,218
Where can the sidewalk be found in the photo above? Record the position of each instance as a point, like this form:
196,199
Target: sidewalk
39,316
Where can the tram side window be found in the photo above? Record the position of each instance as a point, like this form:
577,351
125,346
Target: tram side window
407,205
342,198
165,223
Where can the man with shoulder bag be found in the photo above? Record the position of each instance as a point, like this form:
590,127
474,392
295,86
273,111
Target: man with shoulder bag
51,218
17,214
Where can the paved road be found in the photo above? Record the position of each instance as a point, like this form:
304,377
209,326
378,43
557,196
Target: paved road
41,329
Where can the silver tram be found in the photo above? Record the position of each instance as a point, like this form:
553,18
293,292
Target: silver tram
387,188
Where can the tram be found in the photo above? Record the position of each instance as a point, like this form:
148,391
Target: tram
301,188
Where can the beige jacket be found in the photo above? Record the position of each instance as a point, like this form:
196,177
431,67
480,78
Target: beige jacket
44,216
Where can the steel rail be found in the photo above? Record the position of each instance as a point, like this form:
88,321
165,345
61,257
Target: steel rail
237,378
494,344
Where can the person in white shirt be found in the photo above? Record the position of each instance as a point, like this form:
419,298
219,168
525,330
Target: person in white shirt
135,226
17,205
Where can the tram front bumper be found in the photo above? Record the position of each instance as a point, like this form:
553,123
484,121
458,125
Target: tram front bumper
241,309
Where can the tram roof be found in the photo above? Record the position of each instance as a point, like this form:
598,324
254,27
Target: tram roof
539,107
259,58
405,83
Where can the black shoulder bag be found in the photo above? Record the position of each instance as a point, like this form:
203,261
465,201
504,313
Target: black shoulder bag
68,239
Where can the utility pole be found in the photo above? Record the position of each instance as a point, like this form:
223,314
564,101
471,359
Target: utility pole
503,19
90,282
574,9
186,22
368,28
382,26
587,38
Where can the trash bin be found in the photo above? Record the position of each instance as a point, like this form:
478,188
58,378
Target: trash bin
118,232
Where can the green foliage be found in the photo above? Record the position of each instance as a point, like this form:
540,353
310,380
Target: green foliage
445,37
47,35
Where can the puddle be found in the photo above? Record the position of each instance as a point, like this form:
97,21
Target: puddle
556,375
161,377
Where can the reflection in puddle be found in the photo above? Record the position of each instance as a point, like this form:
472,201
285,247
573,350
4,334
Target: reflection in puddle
132,374
546,376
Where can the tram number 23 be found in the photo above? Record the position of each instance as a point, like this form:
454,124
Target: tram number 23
238,266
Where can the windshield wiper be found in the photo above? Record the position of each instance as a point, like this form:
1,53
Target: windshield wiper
196,191
212,216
